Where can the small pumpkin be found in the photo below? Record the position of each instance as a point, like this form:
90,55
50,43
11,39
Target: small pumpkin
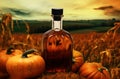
77,60
27,65
94,71
4,56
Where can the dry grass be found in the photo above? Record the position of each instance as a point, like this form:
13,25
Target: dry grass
96,47
6,29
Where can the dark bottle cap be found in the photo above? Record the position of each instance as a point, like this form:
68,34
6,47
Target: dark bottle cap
57,11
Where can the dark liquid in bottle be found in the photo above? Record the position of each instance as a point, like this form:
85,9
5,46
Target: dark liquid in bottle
57,51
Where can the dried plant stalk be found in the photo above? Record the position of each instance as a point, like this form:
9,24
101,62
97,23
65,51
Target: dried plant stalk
114,29
29,39
115,73
106,57
27,27
7,26
26,24
17,24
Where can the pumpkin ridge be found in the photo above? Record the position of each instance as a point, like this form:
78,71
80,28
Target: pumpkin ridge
91,75
25,68
94,71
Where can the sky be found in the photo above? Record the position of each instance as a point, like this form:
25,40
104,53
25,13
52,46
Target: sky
73,9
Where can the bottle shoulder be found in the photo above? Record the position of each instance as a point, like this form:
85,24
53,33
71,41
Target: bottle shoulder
60,32
57,33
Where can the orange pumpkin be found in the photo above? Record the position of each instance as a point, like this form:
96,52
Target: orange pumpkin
94,71
4,56
27,65
77,60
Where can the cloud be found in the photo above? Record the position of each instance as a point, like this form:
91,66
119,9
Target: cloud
20,12
104,8
15,11
24,13
110,10
82,9
113,12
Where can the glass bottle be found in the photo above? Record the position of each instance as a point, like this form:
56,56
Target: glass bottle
57,45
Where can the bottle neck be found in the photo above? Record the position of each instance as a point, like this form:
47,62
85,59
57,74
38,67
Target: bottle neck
57,24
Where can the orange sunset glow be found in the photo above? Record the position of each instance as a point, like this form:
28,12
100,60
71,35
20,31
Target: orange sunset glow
73,9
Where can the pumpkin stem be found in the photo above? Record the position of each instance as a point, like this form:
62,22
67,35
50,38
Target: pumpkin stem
24,55
73,60
9,50
101,69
